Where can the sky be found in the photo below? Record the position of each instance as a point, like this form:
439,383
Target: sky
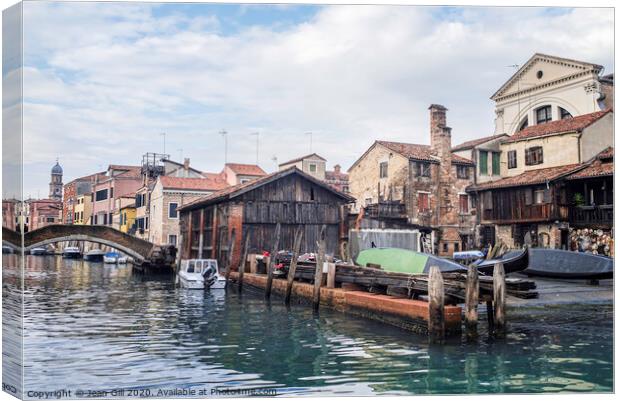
102,81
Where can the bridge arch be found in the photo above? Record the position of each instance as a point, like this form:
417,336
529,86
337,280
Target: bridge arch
139,249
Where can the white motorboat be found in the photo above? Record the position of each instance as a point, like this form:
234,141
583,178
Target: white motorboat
71,252
94,255
200,274
114,258
38,251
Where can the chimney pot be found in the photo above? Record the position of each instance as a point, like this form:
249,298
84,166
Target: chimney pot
186,163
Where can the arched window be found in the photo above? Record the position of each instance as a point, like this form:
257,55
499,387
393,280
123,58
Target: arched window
543,114
564,113
524,124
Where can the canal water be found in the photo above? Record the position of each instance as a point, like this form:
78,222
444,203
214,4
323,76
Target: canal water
90,326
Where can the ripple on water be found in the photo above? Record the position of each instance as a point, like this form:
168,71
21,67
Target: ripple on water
87,326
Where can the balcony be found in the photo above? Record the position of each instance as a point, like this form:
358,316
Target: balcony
592,216
386,210
527,213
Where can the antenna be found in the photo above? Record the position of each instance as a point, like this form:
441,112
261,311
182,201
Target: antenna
257,137
224,134
164,135
274,159
310,134
180,150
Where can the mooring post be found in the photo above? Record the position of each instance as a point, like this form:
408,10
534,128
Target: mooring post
436,321
318,271
499,299
244,259
472,291
272,262
299,233
231,250
331,275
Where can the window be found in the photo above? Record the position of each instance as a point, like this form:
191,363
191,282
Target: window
312,168
462,172
524,124
50,220
172,210
105,219
533,155
512,159
423,202
463,203
424,169
95,220
487,200
539,196
146,223
110,218
456,247
112,192
101,195
543,114
244,180
345,189
564,114
172,239
445,247
495,163
484,162
383,169
138,200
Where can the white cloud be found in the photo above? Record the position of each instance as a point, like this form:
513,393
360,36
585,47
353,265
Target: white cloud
114,75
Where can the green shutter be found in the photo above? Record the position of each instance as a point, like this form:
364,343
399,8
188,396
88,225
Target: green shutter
495,163
484,162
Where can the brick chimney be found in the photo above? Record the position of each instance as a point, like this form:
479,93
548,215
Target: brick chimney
337,169
438,123
186,164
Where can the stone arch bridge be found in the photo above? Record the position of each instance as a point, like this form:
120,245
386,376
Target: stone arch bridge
142,251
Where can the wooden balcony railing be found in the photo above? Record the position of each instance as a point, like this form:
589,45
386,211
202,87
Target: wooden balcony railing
386,210
592,215
527,213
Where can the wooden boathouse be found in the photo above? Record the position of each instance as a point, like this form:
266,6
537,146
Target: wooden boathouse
211,225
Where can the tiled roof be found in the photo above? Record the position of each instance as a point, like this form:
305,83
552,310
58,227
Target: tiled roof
197,184
530,177
302,158
122,167
420,152
557,127
246,169
335,176
234,190
475,142
89,178
602,165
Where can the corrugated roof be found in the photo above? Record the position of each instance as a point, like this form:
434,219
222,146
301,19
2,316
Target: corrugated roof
558,127
475,142
197,184
239,189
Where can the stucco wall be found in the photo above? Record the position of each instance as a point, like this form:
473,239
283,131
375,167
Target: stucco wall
597,137
571,96
558,150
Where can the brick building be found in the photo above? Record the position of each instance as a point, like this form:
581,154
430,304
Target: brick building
9,213
44,212
421,186
238,173
75,189
118,181
337,179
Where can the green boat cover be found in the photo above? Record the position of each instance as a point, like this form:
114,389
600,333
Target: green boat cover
405,261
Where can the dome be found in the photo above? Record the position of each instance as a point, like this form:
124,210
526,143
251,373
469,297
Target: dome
57,169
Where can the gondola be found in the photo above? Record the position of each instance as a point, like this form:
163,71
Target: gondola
570,265
405,261
513,261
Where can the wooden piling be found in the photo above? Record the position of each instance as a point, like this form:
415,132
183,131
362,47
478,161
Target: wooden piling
272,262
436,320
471,303
318,271
299,233
331,275
499,299
490,317
231,250
244,258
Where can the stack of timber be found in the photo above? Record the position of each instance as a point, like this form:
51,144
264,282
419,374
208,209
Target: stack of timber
413,285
